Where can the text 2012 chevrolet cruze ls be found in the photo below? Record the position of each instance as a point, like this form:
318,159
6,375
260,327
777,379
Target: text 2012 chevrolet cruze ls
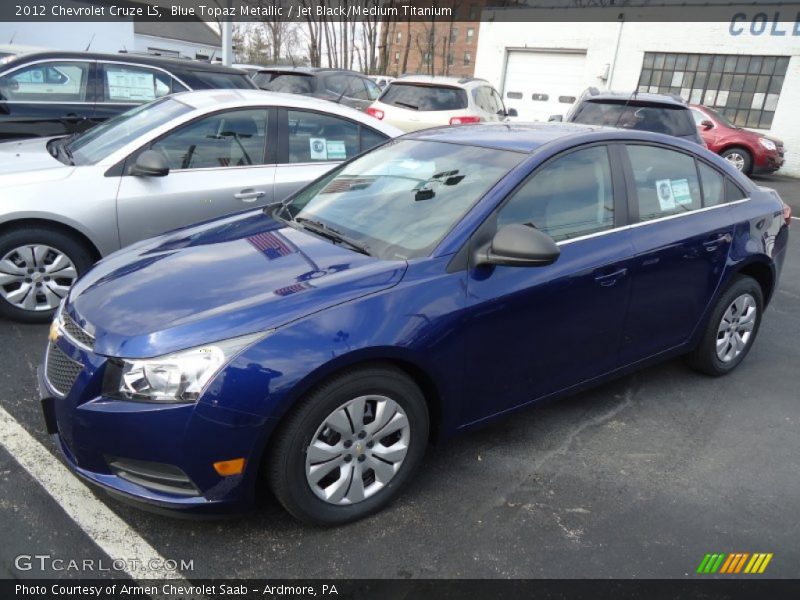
439,281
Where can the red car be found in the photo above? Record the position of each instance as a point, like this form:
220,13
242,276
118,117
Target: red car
748,151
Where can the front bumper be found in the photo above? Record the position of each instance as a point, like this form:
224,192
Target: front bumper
93,433
769,162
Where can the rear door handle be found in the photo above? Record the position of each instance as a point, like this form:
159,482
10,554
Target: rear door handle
249,195
609,279
713,243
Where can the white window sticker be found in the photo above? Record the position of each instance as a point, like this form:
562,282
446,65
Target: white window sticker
336,150
134,86
673,193
319,148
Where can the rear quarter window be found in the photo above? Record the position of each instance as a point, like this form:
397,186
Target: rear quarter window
424,97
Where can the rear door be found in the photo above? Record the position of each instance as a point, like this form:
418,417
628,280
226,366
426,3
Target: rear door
219,164
47,98
312,143
682,232
541,84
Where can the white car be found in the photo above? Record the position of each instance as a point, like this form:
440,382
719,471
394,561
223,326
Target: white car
189,157
419,101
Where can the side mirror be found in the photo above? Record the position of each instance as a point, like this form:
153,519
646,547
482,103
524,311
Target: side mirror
518,246
512,112
557,118
150,164
706,125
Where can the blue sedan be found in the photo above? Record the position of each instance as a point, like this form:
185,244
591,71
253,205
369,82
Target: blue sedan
442,280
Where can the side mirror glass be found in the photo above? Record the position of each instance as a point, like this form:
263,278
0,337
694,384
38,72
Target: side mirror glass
557,118
512,112
150,164
519,246
706,125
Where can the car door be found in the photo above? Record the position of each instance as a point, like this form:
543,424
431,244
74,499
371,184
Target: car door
536,330
219,164
46,98
121,86
681,233
312,143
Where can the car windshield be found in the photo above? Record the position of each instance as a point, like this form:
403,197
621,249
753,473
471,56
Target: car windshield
632,115
101,141
401,199
289,83
424,97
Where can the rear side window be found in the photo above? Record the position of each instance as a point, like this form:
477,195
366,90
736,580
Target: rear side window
666,181
124,83
713,185
424,97
670,120
288,83
314,137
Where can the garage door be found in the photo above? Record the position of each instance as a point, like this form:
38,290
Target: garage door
540,84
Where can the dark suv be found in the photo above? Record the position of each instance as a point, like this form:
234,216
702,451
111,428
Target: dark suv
640,111
56,93
339,85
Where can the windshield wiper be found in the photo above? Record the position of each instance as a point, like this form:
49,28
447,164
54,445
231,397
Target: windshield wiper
327,232
407,105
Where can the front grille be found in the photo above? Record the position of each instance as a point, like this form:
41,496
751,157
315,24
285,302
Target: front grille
61,371
76,332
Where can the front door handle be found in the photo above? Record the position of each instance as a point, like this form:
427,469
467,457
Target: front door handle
712,244
249,195
609,279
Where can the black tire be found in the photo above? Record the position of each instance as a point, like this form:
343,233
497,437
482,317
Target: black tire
286,459
704,357
747,158
78,254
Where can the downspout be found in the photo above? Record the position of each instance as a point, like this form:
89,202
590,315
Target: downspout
621,19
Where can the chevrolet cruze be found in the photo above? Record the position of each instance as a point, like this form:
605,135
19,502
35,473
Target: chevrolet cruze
442,280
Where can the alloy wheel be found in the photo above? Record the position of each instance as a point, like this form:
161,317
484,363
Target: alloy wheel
736,327
737,160
358,449
36,277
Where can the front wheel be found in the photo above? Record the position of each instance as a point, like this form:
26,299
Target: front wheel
349,447
731,330
38,265
739,158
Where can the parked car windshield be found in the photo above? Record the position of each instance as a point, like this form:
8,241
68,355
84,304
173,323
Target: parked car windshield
424,97
108,137
674,121
291,83
401,199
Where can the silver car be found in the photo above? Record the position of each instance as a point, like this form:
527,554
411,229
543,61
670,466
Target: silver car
66,202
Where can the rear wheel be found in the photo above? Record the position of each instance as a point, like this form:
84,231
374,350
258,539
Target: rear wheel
739,158
731,330
349,447
37,268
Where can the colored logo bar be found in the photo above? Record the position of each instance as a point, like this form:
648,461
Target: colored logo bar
734,563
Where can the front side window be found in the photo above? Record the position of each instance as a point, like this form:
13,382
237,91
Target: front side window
666,181
401,199
123,83
108,137
56,81
569,197
315,137
228,139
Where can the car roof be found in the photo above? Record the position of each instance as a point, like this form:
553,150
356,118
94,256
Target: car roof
308,70
226,98
636,98
438,79
143,59
528,137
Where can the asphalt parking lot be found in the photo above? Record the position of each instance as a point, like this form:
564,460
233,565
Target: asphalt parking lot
638,478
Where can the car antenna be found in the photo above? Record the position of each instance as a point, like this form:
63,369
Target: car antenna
13,35
89,45
342,95
622,112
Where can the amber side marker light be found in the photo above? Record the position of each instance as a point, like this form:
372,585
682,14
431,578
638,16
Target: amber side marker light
787,214
229,467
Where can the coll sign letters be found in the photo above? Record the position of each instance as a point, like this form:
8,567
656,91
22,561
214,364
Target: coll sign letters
762,23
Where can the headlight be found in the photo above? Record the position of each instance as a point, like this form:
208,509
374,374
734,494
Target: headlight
178,377
768,144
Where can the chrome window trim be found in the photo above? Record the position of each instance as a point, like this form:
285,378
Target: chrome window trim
259,166
104,61
643,223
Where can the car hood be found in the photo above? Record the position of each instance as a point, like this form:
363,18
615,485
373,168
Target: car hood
29,161
229,277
